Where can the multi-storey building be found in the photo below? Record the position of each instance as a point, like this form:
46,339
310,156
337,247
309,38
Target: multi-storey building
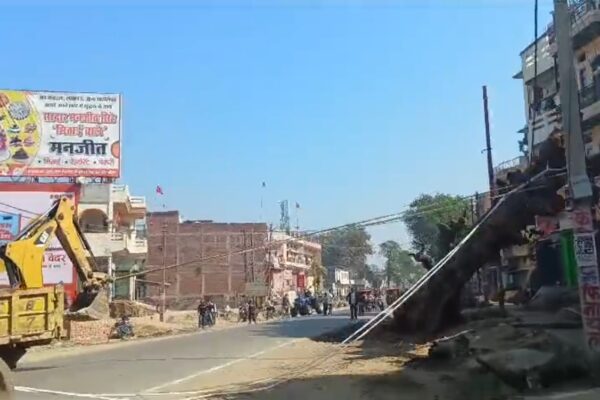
542,102
539,73
113,223
291,259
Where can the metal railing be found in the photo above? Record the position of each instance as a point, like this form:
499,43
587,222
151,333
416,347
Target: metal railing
580,7
589,95
508,164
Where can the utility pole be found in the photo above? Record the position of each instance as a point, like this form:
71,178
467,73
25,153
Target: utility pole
163,295
580,188
488,143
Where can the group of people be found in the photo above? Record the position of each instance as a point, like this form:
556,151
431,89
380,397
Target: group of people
207,314
361,302
248,311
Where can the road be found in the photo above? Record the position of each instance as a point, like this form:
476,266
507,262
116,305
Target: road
159,365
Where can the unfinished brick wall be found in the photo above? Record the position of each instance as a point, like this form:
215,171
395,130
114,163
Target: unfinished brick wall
220,277
89,332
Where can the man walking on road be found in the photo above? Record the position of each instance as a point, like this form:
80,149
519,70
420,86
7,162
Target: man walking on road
353,302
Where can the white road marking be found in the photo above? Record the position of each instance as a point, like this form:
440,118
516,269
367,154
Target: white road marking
26,389
218,367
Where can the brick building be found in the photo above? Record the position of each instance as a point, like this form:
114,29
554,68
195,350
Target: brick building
221,278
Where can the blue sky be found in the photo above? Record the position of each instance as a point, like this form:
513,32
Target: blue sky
349,108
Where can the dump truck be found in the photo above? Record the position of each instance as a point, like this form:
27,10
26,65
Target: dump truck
32,314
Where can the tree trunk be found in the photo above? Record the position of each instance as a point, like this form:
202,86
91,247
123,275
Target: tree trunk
437,304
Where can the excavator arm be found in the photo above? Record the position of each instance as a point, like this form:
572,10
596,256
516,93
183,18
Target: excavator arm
23,258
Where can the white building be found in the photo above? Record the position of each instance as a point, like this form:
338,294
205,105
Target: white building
113,222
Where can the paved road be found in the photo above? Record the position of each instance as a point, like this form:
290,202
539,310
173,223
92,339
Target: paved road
157,365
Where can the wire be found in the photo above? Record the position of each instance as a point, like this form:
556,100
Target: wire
386,219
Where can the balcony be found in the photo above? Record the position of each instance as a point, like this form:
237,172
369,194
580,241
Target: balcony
138,202
103,244
589,104
302,266
545,58
506,166
586,22
137,246
134,205
545,121
128,244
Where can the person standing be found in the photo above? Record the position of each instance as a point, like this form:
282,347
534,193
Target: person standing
214,312
353,303
251,312
285,305
269,308
327,300
202,314
210,312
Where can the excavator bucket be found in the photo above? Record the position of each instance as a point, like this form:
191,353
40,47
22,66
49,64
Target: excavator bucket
90,305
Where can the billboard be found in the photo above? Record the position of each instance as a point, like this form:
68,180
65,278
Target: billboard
56,134
29,201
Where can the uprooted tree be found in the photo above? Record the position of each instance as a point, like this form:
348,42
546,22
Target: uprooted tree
502,226
436,222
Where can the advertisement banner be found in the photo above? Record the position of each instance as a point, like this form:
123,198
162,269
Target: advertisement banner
57,267
9,226
589,287
56,134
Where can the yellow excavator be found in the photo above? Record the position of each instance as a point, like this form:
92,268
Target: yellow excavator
32,314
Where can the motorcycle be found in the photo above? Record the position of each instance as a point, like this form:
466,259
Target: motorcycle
123,329
301,307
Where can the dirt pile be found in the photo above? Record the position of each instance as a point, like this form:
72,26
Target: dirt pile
120,308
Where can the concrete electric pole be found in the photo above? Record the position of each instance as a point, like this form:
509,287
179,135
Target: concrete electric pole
580,188
488,143
163,293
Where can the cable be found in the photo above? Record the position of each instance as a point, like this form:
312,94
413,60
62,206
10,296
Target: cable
369,222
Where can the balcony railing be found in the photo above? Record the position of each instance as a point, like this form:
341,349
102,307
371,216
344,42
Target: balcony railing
589,95
120,194
580,7
509,164
545,122
137,201
132,244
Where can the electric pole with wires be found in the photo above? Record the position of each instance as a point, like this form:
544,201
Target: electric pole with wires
579,194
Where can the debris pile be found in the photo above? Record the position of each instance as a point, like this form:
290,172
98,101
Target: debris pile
500,356
129,308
